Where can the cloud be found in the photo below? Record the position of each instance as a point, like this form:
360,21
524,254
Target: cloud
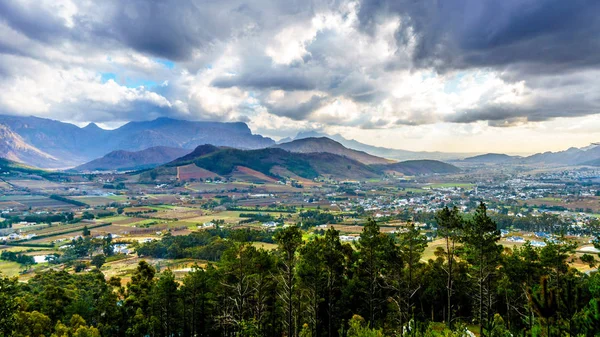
325,64
550,35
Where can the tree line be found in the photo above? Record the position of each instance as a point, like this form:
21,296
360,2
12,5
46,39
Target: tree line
381,285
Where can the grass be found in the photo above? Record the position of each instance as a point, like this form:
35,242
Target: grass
264,245
117,197
450,185
114,218
146,221
164,207
550,199
9,268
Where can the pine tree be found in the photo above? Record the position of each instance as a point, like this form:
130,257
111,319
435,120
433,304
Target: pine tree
289,241
450,224
483,253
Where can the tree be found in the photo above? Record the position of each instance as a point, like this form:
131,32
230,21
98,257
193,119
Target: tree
98,261
77,328
337,258
372,248
32,324
411,245
164,301
138,298
482,252
108,248
450,224
288,240
237,267
311,279
554,260
198,297
8,304
263,290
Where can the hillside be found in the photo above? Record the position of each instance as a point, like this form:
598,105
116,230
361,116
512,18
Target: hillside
13,147
492,158
71,145
326,145
420,167
227,161
128,160
595,162
199,151
7,165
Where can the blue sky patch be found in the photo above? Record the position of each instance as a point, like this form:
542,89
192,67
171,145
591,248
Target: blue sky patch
166,63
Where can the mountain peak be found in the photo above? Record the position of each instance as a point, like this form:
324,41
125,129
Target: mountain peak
328,145
92,126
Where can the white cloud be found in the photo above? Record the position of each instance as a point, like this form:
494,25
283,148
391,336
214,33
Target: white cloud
288,68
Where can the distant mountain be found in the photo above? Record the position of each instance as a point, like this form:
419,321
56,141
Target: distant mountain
326,145
72,145
287,140
395,154
492,158
419,167
269,162
13,147
128,160
571,156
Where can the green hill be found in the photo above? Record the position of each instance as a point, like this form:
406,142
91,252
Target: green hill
224,162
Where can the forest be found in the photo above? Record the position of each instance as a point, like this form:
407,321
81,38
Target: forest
379,285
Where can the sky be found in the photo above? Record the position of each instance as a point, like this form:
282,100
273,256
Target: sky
512,76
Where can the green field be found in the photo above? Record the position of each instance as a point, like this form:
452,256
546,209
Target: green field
114,218
450,185
550,199
227,216
10,268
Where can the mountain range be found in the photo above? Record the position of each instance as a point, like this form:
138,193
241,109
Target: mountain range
54,144
571,157
49,143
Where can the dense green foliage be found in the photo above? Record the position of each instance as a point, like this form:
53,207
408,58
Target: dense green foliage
208,244
20,258
380,286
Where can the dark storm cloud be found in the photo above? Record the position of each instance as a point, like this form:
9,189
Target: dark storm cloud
552,46
549,34
35,22
298,111
507,114
283,80
174,30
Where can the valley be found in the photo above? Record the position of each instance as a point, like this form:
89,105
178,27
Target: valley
181,211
